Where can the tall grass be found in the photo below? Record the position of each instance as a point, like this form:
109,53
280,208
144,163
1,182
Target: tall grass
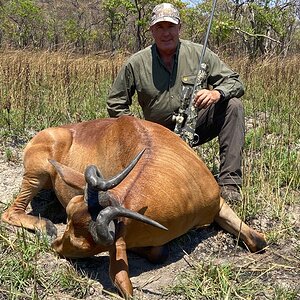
39,90
272,150
271,187
271,163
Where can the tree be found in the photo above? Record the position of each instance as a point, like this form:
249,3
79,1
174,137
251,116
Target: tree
265,26
251,27
142,9
117,13
22,23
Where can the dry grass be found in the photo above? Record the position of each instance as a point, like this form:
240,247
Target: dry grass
46,89
39,90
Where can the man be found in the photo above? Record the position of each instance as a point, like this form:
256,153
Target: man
160,72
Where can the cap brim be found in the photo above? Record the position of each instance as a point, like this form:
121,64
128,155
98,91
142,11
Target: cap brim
166,19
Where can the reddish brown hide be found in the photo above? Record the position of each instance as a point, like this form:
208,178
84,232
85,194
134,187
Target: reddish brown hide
169,184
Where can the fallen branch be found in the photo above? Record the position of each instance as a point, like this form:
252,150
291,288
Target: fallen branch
256,35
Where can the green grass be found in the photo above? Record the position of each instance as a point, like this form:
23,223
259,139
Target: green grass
210,281
271,169
26,271
39,90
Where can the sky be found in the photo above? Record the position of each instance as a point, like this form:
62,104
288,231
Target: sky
192,2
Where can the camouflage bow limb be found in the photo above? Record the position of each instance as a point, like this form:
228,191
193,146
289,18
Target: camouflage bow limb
186,118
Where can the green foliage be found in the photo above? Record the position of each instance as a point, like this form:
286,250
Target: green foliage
22,20
24,8
117,14
254,28
269,26
223,28
285,294
193,24
72,30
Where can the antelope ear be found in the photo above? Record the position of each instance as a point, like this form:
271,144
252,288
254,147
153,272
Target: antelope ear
70,176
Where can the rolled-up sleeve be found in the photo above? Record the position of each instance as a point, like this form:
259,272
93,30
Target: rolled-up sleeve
223,79
120,96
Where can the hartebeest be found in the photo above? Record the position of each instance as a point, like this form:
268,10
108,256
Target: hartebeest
110,174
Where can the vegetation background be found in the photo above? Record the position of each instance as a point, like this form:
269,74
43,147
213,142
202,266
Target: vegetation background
251,27
57,62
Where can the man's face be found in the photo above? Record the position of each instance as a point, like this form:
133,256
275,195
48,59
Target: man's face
166,36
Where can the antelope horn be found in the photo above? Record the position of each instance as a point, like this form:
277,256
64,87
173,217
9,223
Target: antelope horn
95,179
103,230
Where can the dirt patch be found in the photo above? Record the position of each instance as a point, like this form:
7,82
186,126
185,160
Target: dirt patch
278,265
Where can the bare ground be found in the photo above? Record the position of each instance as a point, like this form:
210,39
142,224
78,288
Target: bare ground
278,265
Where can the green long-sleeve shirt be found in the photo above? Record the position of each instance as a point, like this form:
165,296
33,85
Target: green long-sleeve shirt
159,90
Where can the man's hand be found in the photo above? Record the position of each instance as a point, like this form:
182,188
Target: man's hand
204,98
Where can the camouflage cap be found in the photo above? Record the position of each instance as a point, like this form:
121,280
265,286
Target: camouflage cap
165,12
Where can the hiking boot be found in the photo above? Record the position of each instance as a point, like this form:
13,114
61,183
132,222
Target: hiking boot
231,194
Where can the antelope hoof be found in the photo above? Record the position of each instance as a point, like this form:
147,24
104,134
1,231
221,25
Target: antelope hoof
51,230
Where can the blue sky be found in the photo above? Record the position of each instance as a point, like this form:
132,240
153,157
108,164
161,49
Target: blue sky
192,2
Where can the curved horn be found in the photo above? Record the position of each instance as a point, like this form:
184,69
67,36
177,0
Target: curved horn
94,178
103,230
